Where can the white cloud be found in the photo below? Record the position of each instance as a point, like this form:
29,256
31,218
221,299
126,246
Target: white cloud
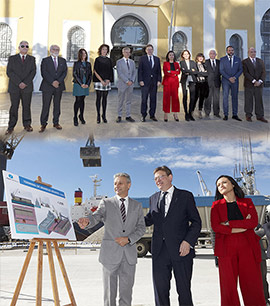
114,150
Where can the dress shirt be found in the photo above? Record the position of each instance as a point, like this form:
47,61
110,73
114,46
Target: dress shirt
152,59
21,55
56,60
125,202
232,59
168,198
213,63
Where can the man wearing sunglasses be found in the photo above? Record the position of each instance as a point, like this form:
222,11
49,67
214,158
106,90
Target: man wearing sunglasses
177,225
21,70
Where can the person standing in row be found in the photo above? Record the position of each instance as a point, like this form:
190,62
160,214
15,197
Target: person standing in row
126,72
103,76
53,71
254,76
233,219
230,69
214,82
201,87
149,77
170,84
21,70
82,75
188,81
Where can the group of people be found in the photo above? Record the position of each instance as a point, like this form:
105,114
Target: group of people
202,78
177,226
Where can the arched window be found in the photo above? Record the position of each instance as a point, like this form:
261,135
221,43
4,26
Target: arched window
179,43
129,30
76,38
5,41
265,49
237,43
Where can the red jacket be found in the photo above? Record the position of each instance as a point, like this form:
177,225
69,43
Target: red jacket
168,73
219,214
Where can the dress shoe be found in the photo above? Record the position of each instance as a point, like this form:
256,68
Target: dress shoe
75,121
130,119
225,118
262,119
42,128
82,119
9,131
57,126
28,128
166,120
98,119
118,119
236,118
191,118
142,119
153,118
186,117
248,118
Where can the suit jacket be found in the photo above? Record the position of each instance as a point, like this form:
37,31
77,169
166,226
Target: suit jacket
133,228
227,71
146,72
125,74
18,72
49,74
182,222
170,74
214,76
253,73
219,214
193,71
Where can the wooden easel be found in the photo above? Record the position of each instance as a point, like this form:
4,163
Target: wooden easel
40,242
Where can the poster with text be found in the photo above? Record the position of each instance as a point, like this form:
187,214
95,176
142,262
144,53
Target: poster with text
35,210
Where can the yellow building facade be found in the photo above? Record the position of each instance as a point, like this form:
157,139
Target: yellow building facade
197,25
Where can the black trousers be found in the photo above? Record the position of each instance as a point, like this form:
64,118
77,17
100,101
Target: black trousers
163,266
101,94
79,105
252,95
151,91
15,98
47,96
202,91
192,99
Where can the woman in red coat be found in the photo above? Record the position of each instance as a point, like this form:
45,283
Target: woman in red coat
170,83
233,219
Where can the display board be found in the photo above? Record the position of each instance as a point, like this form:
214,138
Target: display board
35,210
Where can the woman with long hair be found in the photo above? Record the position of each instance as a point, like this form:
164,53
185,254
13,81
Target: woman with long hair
103,76
233,219
82,75
170,84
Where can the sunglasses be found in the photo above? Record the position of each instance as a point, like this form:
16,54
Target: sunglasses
24,46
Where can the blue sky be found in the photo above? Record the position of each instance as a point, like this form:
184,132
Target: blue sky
58,162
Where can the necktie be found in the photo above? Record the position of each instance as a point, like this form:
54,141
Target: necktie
214,65
162,204
127,64
23,58
123,210
231,61
55,63
254,62
150,61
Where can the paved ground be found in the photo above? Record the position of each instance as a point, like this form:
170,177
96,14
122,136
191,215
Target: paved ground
85,274
205,128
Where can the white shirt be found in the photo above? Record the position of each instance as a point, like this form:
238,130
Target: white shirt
232,59
23,55
125,202
152,59
168,198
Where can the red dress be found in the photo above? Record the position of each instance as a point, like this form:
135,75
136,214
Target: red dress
170,88
239,254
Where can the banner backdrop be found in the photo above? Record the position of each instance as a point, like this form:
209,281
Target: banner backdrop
35,210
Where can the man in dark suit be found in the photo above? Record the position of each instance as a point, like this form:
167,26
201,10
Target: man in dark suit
214,82
230,69
149,77
124,226
53,71
21,70
254,76
177,225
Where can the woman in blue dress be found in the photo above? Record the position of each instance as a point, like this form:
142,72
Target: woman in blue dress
82,75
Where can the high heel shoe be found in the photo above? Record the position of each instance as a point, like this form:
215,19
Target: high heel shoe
166,120
98,119
82,119
104,119
75,121
175,118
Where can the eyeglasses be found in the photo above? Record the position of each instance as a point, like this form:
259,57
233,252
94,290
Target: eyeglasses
159,177
24,46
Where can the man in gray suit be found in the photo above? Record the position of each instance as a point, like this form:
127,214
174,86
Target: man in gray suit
21,70
124,226
126,77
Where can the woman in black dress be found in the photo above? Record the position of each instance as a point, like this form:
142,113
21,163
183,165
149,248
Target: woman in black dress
103,76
